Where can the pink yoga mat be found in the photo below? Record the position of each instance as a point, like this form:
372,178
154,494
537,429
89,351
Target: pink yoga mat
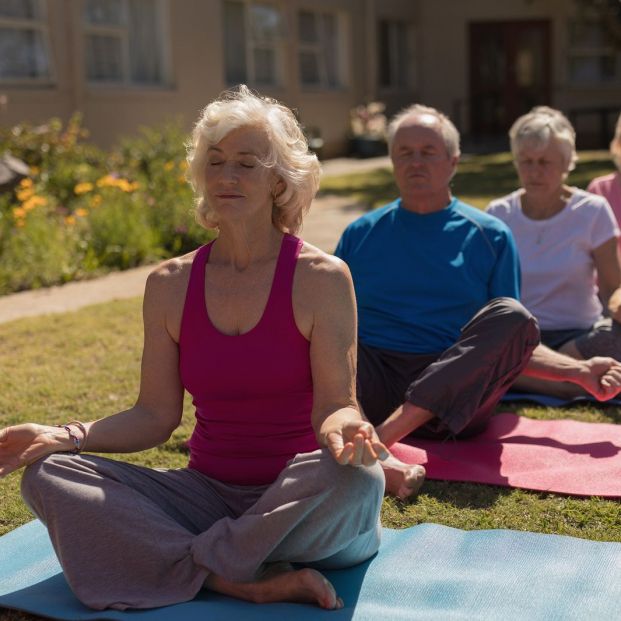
564,456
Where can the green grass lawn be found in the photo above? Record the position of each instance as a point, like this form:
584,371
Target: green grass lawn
479,179
85,365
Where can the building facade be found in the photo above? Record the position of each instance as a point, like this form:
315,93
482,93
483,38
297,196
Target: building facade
127,63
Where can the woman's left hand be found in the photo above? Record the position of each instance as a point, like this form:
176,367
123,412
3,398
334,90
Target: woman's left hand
352,440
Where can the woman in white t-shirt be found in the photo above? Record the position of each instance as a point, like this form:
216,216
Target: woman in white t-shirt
567,241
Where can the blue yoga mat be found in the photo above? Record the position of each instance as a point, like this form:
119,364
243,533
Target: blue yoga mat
555,402
424,572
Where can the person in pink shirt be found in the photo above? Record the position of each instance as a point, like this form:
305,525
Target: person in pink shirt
609,186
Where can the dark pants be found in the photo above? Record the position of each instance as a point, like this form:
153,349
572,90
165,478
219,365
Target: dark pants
461,385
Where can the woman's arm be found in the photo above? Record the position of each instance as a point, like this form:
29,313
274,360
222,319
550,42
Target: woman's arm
606,259
149,422
336,419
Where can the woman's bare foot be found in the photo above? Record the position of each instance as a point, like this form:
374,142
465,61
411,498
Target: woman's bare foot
402,480
303,585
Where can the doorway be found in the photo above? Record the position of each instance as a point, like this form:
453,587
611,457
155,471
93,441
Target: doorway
510,71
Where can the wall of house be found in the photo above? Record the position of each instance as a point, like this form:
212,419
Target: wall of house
445,46
196,59
437,67
38,103
444,51
196,77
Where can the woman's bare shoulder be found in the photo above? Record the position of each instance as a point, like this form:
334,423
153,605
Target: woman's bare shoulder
171,274
318,269
165,294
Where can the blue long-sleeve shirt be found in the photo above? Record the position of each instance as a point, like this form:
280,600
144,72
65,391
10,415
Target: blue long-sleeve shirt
420,278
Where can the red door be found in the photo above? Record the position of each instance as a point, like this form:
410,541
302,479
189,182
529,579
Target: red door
509,72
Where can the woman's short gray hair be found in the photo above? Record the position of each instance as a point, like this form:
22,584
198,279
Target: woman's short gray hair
540,125
447,128
615,145
288,156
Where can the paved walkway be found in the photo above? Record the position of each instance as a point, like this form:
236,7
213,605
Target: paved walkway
322,227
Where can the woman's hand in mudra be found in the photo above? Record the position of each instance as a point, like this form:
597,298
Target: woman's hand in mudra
21,445
352,440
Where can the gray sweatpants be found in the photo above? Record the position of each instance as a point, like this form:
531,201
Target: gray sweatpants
461,385
134,537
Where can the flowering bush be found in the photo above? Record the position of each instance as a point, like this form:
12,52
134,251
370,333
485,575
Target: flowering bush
368,121
83,211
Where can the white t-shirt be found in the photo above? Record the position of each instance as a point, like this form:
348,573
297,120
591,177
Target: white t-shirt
559,280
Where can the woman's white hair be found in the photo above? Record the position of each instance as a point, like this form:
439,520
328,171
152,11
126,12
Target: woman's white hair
615,145
448,130
541,125
288,156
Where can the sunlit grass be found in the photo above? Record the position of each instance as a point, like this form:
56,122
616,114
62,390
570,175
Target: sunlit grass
479,179
85,365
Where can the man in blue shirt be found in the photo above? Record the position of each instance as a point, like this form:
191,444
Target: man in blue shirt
441,333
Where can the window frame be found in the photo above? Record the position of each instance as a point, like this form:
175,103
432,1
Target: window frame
410,77
40,25
122,32
591,52
320,49
252,44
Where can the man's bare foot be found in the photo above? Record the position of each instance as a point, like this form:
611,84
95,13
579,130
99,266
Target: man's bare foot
402,480
303,585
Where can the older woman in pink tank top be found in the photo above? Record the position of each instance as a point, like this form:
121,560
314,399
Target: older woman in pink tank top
260,329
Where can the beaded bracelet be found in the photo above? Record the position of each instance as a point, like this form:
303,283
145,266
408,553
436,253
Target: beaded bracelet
79,444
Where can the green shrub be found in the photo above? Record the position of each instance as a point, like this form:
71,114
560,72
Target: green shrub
83,211
157,158
39,253
58,155
119,233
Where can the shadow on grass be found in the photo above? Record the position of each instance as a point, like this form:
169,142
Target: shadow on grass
493,179
489,176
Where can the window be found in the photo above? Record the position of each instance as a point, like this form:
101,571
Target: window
320,53
24,44
592,58
393,50
125,42
253,37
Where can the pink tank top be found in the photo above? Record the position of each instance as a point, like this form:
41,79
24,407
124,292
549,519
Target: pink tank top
253,393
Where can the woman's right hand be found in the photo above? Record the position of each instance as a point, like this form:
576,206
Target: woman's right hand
21,445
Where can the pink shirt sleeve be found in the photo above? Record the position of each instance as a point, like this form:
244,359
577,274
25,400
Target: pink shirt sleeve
609,186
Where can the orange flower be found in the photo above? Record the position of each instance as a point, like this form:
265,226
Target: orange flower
81,213
106,181
25,194
83,188
34,201
124,184
19,212
69,220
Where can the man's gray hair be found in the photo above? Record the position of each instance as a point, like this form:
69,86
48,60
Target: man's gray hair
447,128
